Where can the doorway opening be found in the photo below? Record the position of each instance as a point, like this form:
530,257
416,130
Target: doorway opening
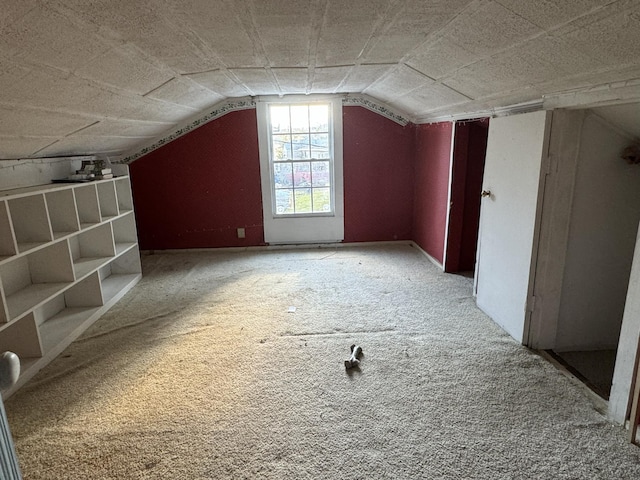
467,170
597,207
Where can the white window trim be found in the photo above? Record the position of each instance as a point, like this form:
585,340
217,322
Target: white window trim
311,228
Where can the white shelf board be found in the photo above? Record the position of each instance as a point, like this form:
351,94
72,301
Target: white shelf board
84,266
26,362
124,246
25,247
56,330
59,235
45,188
84,226
32,296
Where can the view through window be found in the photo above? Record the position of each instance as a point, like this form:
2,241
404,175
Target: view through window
301,158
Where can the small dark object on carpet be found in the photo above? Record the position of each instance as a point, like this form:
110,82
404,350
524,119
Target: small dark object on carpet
353,361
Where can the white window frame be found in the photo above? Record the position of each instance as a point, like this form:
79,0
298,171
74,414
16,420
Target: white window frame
319,227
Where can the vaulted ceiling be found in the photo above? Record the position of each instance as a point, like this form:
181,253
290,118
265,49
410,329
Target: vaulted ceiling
105,76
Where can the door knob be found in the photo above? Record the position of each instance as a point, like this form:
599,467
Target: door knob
486,193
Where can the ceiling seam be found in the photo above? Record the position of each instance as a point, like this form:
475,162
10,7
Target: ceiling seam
317,24
119,44
544,32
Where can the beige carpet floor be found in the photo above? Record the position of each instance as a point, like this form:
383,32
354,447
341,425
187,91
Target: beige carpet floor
202,372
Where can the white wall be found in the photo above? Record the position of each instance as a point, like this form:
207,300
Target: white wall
602,232
40,171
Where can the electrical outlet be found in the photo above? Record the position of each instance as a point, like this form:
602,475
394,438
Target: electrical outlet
241,233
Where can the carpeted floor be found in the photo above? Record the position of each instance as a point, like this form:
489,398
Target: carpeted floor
201,372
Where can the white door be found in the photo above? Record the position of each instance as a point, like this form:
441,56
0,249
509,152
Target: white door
300,140
508,218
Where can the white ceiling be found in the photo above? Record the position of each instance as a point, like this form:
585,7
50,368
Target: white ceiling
104,76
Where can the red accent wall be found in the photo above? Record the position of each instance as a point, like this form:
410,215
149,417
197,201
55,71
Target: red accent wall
197,190
432,160
378,177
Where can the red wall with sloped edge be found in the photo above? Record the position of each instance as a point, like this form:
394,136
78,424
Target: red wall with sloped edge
197,190
432,164
378,177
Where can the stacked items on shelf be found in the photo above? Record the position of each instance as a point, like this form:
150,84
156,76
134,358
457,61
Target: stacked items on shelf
67,254
90,170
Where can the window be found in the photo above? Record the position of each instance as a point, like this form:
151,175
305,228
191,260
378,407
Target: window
301,158
301,168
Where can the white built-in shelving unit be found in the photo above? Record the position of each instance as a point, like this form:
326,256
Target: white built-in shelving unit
68,253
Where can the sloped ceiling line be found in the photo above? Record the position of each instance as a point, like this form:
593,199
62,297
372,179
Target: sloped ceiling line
220,110
377,107
247,103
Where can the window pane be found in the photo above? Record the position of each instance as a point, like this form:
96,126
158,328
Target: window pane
320,145
299,118
280,119
301,158
284,201
321,200
319,118
281,145
301,174
320,174
300,147
282,175
303,200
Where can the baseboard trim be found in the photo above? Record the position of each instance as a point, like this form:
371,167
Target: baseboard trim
429,257
292,246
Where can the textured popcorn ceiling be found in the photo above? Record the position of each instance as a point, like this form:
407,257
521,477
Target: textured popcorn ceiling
105,76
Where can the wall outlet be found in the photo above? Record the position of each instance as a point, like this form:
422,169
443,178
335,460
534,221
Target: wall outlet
241,233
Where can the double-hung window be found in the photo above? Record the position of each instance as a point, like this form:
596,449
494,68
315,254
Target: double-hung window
301,148
301,168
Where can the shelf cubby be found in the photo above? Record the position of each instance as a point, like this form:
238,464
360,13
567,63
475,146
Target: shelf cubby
123,190
107,200
30,221
88,207
124,232
119,273
22,338
31,279
62,212
8,246
64,317
91,249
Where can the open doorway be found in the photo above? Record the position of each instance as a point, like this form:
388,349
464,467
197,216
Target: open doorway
467,170
601,204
